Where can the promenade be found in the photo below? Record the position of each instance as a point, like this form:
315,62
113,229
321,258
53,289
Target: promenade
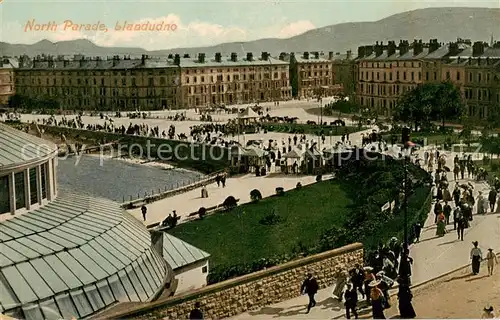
432,256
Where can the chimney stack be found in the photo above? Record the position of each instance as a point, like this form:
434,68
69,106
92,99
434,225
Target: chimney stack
379,49
433,45
349,55
368,51
404,47
361,52
201,58
478,49
177,59
418,47
249,56
306,55
218,57
282,56
330,55
116,60
265,56
391,48
234,57
186,56
316,55
143,59
453,49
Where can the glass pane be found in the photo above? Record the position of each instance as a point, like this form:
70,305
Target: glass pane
81,302
9,299
36,282
32,312
16,313
136,283
25,251
4,195
49,276
99,259
33,186
109,255
151,265
94,297
44,181
81,273
118,289
35,246
112,250
142,278
11,254
66,306
105,292
143,266
19,285
62,271
19,185
50,310
88,264
128,286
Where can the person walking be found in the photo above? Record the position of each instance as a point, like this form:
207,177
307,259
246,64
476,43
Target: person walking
377,300
351,301
461,225
310,287
341,281
476,256
491,257
406,310
492,198
417,228
144,211
196,313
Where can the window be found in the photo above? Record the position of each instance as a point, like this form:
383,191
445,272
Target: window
478,77
404,75
204,269
44,175
19,185
458,75
4,195
33,186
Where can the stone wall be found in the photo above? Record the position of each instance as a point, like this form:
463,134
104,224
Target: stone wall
252,291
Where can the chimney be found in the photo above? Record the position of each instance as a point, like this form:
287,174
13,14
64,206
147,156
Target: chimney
306,55
404,47
143,59
186,56
218,57
116,60
282,56
453,49
418,47
201,58
361,51
82,61
316,55
65,63
433,45
249,56
368,51
264,56
391,48
234,57
330,55
478,49
349,55
379,49
170,56
177,59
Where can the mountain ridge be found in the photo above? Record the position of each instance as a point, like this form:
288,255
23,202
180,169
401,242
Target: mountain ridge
445,24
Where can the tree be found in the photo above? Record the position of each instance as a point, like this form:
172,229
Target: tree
430,102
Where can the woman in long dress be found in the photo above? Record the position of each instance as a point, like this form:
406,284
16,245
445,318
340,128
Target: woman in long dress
476,256
441,225
377,299
405,296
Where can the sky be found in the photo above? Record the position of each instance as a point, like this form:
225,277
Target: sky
188,23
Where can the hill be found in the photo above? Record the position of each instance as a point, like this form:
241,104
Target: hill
445,24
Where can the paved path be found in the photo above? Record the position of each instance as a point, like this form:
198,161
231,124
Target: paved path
238,187
432,258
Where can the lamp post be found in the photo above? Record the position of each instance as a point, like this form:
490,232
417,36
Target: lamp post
404,265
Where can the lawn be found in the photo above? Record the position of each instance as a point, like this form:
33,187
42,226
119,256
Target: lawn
312,219
238,237
315,129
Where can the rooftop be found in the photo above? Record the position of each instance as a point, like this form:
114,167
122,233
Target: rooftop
227,62
179,254
81,252
17,147
8,63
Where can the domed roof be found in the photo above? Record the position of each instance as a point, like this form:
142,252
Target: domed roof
74,257
19,148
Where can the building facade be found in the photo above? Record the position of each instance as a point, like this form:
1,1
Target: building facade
229,80
344,72
7,83
311,75
385,72
97,84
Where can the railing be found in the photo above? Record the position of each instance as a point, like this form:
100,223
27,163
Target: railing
168,191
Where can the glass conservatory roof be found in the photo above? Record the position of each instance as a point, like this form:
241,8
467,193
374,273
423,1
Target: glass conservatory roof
74,257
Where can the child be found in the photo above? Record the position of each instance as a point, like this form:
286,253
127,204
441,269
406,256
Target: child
492,260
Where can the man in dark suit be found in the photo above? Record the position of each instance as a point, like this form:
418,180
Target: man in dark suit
310,286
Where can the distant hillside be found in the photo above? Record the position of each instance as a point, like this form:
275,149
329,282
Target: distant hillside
445,24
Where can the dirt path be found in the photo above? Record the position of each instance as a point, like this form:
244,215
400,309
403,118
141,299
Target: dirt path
459,295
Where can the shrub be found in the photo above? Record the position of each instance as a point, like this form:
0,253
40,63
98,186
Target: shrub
202,212
255,195
230,203
298,186
271,219
280,191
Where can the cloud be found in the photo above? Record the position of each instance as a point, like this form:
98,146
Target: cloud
158,33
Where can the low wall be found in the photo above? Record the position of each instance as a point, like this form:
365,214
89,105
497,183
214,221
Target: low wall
252,291
202,157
